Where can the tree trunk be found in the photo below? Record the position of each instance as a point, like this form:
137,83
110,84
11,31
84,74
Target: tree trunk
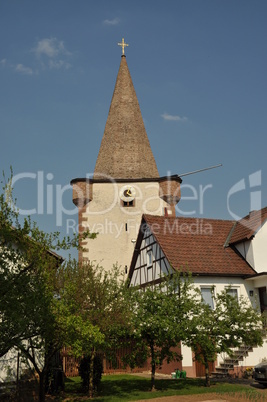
153,367
42,386
41,373
207,374
91,375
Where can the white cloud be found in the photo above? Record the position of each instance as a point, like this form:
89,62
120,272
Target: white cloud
115,21
50,47
52,54
170,117
20,68
57,64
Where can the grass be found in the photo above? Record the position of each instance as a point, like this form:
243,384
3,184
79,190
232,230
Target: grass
119,388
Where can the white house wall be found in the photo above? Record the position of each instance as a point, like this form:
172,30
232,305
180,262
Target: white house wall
259,245
187,356
243,289
258,282
255,356
9,367
221,283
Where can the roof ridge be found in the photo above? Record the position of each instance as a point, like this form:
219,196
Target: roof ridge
227,241
189,217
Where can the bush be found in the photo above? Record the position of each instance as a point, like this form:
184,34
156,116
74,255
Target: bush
84,371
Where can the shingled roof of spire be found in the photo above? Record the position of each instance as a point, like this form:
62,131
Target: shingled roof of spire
125,151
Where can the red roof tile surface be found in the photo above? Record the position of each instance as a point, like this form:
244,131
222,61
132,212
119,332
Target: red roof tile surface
197,245
247,227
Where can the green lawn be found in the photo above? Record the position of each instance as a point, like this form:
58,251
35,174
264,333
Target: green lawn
119,388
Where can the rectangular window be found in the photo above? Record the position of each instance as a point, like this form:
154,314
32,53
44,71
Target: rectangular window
206,294
232,292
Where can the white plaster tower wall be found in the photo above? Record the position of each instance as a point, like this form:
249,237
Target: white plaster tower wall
117,225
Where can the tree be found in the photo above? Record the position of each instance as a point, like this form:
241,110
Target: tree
233,322
95,310
30,314
160,321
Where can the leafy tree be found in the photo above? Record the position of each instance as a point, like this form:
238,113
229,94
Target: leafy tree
94,310
160,320
30,315
230,324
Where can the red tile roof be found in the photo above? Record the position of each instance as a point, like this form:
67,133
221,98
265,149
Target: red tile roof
247,227
197,245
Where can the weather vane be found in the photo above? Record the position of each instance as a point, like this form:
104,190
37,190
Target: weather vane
123,45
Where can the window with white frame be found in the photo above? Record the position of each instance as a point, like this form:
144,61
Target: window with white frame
207,296
232,292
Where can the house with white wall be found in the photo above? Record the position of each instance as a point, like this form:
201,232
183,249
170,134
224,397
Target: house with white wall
220,254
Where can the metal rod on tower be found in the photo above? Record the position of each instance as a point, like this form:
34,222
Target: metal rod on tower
200,170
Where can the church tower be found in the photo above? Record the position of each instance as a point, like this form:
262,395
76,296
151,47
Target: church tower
125,184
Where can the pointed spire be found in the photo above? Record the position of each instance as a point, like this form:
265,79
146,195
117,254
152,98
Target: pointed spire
125,151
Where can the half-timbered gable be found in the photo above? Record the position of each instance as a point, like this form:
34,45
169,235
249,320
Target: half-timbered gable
151,262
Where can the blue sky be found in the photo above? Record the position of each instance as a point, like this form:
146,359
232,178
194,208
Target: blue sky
199,71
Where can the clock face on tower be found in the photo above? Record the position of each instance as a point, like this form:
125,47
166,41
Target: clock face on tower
127,193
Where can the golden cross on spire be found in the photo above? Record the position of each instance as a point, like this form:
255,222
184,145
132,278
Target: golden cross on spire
123,45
